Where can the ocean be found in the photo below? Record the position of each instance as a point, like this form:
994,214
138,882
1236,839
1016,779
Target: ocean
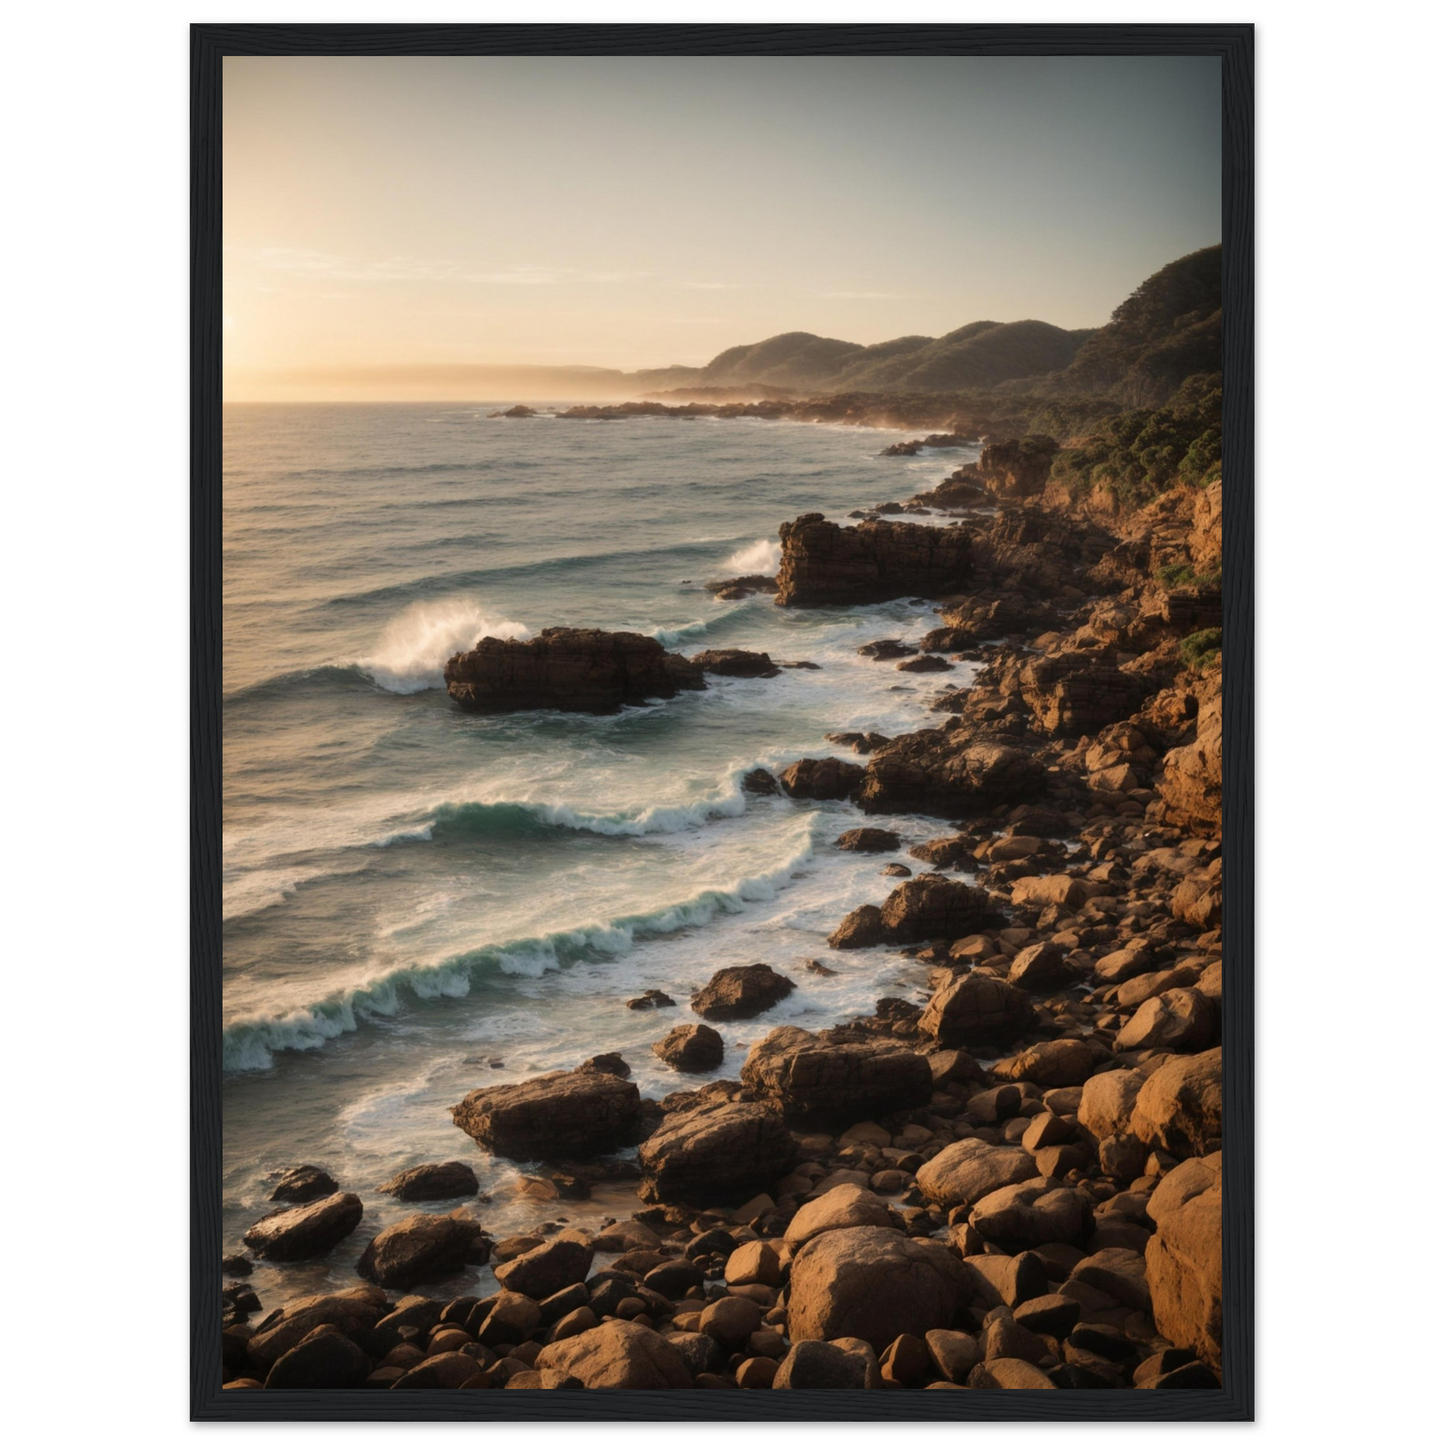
419,902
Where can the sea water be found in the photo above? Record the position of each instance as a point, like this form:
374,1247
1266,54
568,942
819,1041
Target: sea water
419,902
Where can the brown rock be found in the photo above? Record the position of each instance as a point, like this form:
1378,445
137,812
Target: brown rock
568,668
353,1309
868,840
618,1355
948,774
818,1365
324,1360
735,662
1107,1103
550,1267
303,1184
691,1049
440,1372
811,1079
741,992
1181,1019
862,928
1185,1273
1180,1107
845,1206
715,1150
454,1180
873,1284
554,1116
424,1246
306,1231
825,779
824,563
1057,889
1055,1064
1040,968
1035,1212
977,1009
967,1171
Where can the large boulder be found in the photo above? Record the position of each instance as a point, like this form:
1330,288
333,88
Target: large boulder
618,1355
1055,1064
1192,787
306,1231
691,1049
977,1009
844,1206
554,1116
818,1365
453,1180
325,1360
741,992
1184,1266
947,774
812,1079
550,1267
824,779
1033,1213
1180,1108
932,906
349,1310
574,669
1070,693
1182,1019
873,1284
422,1246
965,1172
303,1184
824,563
1108,1102
714,1150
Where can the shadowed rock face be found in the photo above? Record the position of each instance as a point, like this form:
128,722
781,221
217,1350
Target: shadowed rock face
872,562
555,1116
815,1079
713,1152
872,1284
572,669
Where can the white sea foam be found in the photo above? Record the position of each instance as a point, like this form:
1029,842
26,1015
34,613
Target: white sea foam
416,644
761,558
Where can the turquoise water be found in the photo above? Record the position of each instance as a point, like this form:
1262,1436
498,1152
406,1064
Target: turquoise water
419,902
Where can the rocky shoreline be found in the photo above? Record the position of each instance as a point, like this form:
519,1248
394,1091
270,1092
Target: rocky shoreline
1012,1181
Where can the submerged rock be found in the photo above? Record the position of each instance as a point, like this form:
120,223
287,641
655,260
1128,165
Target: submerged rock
735,662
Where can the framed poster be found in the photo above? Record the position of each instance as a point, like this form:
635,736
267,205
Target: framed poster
722,768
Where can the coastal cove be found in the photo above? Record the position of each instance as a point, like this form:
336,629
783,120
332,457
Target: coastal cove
424,901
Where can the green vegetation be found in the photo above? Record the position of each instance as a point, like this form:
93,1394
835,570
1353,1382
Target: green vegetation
1181,574
1200,649
1138,454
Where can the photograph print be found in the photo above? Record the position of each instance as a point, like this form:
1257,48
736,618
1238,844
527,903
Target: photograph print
723,724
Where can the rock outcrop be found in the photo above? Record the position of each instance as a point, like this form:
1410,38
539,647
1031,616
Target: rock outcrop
555,1116
824,563
571,669
305,1231
424,1246
741,992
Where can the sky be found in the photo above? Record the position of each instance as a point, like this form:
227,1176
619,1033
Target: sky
630,212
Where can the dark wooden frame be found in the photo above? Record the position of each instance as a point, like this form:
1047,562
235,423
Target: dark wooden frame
1234,45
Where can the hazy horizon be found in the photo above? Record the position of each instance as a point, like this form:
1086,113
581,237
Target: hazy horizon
390,223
